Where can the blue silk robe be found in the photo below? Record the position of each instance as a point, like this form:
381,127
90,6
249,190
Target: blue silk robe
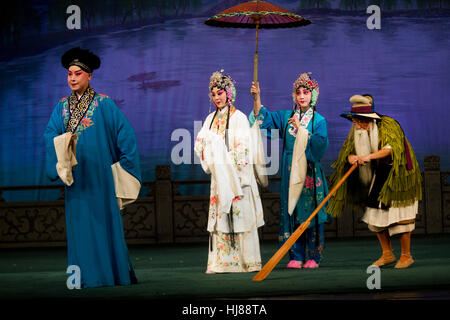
95,236
316,147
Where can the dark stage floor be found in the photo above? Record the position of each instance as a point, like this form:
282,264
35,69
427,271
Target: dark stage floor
177,272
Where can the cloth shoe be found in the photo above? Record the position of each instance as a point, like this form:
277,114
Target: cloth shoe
311,264
294,264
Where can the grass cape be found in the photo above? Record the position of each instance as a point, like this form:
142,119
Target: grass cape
402,187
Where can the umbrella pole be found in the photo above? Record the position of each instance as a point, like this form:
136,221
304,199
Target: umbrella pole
268,267
255,61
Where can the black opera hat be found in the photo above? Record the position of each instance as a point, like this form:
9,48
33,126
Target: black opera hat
82,58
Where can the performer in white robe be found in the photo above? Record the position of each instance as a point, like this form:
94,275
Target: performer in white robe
235,211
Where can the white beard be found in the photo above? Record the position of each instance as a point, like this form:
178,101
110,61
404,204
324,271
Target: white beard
373,134
364,145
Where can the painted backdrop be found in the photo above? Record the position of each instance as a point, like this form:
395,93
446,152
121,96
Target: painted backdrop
158,73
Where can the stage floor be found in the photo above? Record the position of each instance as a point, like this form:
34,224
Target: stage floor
178,272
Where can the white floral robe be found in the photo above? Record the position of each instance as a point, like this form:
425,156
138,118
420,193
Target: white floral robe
247,211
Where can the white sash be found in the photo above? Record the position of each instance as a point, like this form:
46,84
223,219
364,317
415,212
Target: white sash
258,157
298,168
221,167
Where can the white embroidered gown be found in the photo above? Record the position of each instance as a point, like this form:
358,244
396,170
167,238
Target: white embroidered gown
233,184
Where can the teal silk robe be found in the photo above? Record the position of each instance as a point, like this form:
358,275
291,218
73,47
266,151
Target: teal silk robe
316,147
95,236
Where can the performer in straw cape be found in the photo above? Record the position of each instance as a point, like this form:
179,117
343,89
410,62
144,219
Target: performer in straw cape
303,182
389,183
235,212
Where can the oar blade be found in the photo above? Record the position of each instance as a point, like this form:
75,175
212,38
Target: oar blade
276,258
270,265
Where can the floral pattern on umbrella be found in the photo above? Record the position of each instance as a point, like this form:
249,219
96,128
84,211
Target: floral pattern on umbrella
246,15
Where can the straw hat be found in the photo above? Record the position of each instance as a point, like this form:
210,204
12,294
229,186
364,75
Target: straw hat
362,107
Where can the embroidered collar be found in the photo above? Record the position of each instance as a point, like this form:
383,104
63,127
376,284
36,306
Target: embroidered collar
222,112
78,108
219,123
304,117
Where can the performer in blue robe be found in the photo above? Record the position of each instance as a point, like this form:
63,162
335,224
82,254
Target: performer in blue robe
103,137
305,94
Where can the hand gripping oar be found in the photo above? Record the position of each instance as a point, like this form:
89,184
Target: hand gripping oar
268,267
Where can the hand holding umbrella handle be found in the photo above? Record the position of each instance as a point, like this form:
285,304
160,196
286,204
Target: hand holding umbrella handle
256,92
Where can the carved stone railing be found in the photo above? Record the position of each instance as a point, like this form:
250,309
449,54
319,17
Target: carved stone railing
42,223
164,215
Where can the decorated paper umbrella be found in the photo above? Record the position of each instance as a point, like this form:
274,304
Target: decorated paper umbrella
257,14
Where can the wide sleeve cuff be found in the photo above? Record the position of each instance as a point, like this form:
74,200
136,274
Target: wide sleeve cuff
65,151
126,185
252,118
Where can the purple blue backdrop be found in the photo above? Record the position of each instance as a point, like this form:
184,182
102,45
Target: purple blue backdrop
158,74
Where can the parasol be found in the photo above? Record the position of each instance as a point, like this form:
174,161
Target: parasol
257,14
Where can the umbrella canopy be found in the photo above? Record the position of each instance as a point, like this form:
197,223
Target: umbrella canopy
248,14
256,14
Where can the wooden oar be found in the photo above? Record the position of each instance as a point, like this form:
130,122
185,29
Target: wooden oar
268,267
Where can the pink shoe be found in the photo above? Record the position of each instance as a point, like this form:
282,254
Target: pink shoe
311,264
294,264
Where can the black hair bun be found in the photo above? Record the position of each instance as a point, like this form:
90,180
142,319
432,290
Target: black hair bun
84,56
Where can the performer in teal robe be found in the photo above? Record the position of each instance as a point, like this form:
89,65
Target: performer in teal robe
305,94
95,236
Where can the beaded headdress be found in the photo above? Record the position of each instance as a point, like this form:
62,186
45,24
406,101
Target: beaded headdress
225,82
305,81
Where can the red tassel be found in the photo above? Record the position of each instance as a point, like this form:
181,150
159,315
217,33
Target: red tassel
409,165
